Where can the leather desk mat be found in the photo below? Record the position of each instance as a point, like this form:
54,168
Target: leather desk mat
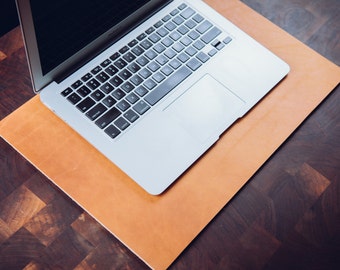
159,228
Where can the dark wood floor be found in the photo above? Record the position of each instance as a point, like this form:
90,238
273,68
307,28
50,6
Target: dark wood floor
286,217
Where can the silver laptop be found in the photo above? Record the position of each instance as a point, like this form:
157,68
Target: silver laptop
152,84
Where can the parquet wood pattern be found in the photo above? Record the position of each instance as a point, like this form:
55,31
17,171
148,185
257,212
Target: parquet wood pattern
286,217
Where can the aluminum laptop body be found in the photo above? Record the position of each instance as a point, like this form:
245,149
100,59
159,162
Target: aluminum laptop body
152,143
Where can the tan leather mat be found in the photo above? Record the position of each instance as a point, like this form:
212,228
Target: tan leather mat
159,228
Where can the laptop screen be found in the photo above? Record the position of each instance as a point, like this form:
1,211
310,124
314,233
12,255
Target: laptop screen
64,27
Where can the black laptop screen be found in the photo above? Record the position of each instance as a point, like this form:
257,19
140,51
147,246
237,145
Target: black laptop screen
64,27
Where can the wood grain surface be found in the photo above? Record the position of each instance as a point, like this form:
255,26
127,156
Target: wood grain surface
286,217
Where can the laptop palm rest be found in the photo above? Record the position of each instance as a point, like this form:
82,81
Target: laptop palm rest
200,109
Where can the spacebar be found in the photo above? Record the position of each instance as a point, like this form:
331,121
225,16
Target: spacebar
168,85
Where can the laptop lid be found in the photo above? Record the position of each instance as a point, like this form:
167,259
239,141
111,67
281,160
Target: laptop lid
60,36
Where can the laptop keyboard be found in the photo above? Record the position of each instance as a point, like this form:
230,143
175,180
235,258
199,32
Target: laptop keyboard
119,91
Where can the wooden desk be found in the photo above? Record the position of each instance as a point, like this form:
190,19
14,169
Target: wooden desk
286,217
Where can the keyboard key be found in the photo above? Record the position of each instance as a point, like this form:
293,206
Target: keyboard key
66,92
141,107
146,44
74,98
116,81
178,20
167,70
178,47
158,77
194,64
150,84
118,94
86,77
199,45
145,73
170,26
215,43
186,14
86,104
102,77
168,85
83,91
159,48
183,57
96,70
174,12
198,18
154,38
129,57
202,28
194,35
220,46
158,24
175,36
190,24
107,88
175,64
170,53
115,56
227,40
182,6
202,57
142,61
93,84
136,80
141,91
132,43
112,131
108,117
109,101
76,84
166,18
167,42
151,54
150,30
212,52
162,60
131,116
153,66
124,49
123,105
96,111
137,50
120,63
111,70
183,29
141,36
186,41
133,67
211,35
121,123
105,63
132,98
97,95
127,87
162,32
191,51
125,74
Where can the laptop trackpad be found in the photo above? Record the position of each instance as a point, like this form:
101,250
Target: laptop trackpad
206,109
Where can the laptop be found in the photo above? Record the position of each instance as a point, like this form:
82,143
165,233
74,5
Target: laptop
152,84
